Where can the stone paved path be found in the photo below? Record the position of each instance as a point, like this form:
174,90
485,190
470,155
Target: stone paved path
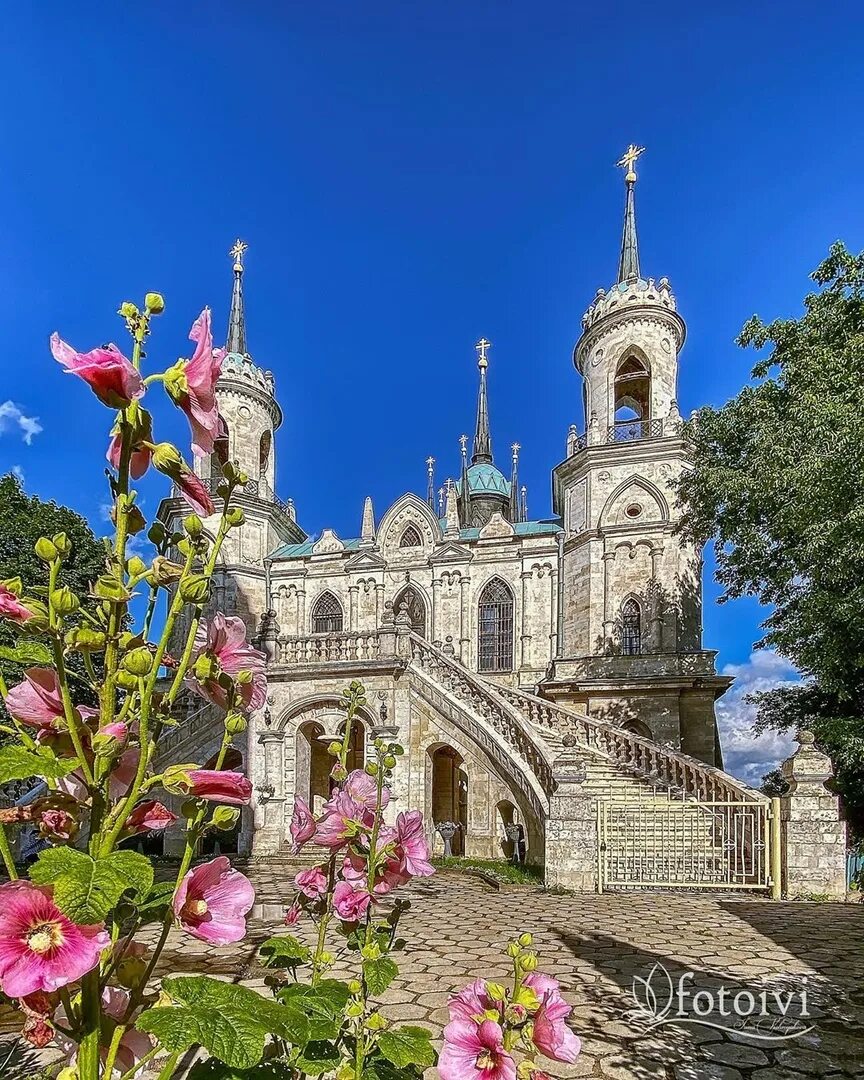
595,945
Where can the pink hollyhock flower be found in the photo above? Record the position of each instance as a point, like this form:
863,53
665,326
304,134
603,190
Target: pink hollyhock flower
216,785
292,915
107,372
36,701
312,883
475,1051
344,819
551,1035
225,640
302,824
412,850
139,460
192,384
40,948
212,902
350,904
11,607
471,1002
363,790
195,493
149,816
58,825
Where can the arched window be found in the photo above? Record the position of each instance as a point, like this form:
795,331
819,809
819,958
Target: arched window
631,628
264,452
632,398
219,457
327,615
410,538
411,599
495,627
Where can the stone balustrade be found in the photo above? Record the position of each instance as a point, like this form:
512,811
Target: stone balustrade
600,668
326,648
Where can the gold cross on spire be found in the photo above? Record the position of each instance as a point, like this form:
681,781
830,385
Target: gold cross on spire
237,252
481,347
629,160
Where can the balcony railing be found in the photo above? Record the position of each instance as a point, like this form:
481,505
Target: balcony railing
634,430
252,489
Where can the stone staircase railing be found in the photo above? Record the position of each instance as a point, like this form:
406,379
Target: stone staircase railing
644,757
325,648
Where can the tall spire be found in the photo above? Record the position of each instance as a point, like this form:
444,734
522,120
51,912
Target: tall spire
430,481
628,263
367,529
482,438
515,504
237,319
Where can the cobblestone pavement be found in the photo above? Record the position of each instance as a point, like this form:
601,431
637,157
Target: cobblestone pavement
458,927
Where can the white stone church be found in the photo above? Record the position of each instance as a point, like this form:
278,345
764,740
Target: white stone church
532,668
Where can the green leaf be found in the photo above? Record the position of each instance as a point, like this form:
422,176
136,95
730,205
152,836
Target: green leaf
317,1058
26,652
211,1069
407,1045
19,763
86,889
322,1005
158,898
231,1022
284,951
379,974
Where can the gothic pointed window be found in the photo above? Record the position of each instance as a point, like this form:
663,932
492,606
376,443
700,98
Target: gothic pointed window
413,603
495,627
632,399
327,615
631,628
410,538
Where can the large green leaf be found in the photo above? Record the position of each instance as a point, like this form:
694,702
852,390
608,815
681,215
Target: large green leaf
407,1045
318,1058
86,889
211,1069
231,1022
284,951
379,973
26,652
19,763
322,1005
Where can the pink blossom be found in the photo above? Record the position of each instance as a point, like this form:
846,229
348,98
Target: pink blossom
107,372
134,1044
40,948
214,785
292,915
343,820
36,701
312,883
149,816
139,459
471,1002
212,902
350,904
194,492
57,825
412,850
193,386
224,639
363,790
475,1051
551,1035
302,824
11,607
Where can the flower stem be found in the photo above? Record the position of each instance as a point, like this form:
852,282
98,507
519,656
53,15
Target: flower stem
91,1015
6,852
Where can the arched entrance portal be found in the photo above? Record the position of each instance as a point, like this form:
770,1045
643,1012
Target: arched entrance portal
356,747
450,793
413,600
313,766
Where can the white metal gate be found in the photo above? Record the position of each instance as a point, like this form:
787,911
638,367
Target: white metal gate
658,842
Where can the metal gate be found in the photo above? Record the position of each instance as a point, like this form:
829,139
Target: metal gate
657,842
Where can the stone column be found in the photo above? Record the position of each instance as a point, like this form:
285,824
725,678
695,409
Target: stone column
464,640
379,602
353,591
526,636
814,837
269,809
571,830
553,612
387,631
608,621
436,602
301,613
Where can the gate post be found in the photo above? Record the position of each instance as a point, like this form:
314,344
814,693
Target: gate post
571,831
814,837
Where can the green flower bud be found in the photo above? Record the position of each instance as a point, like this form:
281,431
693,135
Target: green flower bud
109,588
14,584
167,459
225,818
128,310
135,521
45,549
389,761
513,950
189,808
526,940
83,639
355,987
136,566
528,962
154,303
354,1009
64,601
375,1022
193,525
63,544
235,517
138,662
195,589
157,534
164,572
204,668
372,768
126,680
130,970
235,724
334,749
371,951
339,773
496,991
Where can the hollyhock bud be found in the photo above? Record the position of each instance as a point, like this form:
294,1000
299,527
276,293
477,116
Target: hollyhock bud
64,601
195,589
45,549
11,607
235,723
83,639
375,1022
334,749
157,533
128,310
235,517
513,949
135,521
528,962
526,940
150,816
292,915
138,662
193,525
167,458
225,818
154,303
136,566
496,991
339,773
126,680
214,785
165,572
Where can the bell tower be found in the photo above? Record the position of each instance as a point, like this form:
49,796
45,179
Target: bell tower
629,621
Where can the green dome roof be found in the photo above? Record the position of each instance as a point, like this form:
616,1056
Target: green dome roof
486,479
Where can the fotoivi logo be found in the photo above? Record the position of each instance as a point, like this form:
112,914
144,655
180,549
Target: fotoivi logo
769,1014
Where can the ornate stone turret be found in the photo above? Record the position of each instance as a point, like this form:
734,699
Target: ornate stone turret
483,489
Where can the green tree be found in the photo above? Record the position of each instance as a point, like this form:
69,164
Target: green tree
778,485
23,519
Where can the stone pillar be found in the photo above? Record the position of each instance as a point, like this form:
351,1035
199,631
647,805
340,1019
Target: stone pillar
353,591
436,603
301,613
269,808
553,612
525,637
387,632
379,602
464,640
608,621
814,837
571,830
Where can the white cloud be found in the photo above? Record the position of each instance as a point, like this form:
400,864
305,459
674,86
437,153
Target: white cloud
746,755
10,414
16,470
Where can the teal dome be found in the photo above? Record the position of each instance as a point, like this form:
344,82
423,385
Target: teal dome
485,479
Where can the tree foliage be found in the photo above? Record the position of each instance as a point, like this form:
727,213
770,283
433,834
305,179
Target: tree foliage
778,485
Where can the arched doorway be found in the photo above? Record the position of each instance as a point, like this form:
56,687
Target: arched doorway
450,793
412,599
356,747
313,764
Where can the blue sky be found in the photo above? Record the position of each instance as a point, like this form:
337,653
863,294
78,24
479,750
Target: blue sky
409,177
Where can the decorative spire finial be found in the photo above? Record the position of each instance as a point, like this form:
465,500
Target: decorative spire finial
482,438
515,504
451,523
237,319
430,481
628,263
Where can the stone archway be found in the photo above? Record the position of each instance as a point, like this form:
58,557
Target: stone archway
312,765
412,599
450,792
